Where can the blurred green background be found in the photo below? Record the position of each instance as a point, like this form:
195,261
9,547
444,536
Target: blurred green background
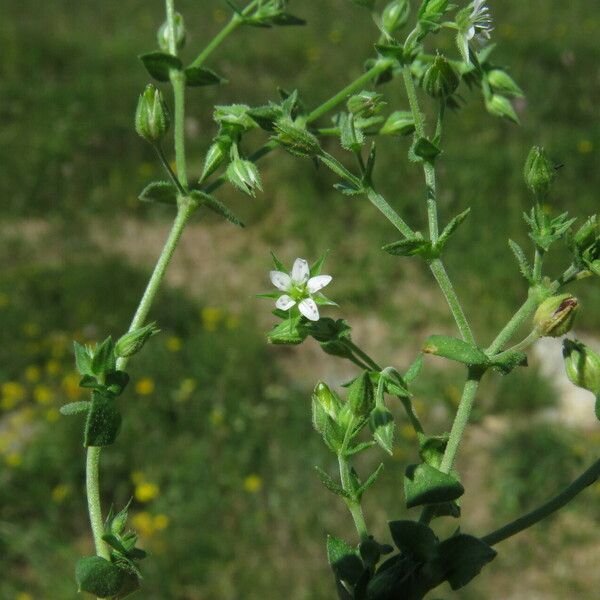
217,448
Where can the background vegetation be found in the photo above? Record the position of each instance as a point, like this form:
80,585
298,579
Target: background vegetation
217,447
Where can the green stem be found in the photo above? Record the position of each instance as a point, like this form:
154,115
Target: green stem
165,163
441,276
525,312
231,26
170,9
93,497
390,214
589,477
353,506
362,354
379,67
178,83
537,265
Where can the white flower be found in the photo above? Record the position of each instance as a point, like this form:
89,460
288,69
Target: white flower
298,288
474,22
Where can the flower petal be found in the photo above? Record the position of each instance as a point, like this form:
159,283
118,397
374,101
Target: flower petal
281,280
309,309
317,283
285,302
300,271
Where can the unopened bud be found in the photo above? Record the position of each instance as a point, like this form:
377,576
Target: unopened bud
365,104
587,234
433,10
296,139
554,317
152,119
441,79
381,422
501,81
400,122
395,15
164,34
500,106
361,399
582,365
215,156
133,341
539,172
244,175
328,401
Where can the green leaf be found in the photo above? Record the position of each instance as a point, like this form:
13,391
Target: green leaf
414,369
462,557
83,359
382,425
424,484
98,576
509,361
455,349
162,192
361,398
116,382
199,76
425,149
330,484
114,542
522,261
315,269
410,247
346,565
89,381
279,266
414,539
432,448
359,448
159,64
103,421
370,481
74,408
451,228
104,359
216,206
288,332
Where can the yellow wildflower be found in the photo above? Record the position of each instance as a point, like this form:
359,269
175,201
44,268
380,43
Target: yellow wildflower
186,388
43,395
23,596
252,483
174,343
161,522
143,523
13,460
7,402
13,390
585,147
53,367
146,491
32,373
211,316
60,492
145,386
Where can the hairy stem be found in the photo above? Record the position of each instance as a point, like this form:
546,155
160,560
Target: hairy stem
92,485
178,83
589,477
353,505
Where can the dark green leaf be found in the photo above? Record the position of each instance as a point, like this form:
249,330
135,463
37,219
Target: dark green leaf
159,191
330,484
116,381
361,398
382,425
199,76
522,261
287,20
103,421
414,539
452,227
455,349
509,361
424,484
410,247
346,565
74,408
370,481
216,206
288,332
104,359
432,448
159,64
89,381
83,360
425,149
414,370
98,576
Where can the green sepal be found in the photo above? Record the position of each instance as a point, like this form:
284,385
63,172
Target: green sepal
216,206
411,247
89,381
452,226
199,76
162,192
359,448
116,382
330,431
98,576
331,485
74,408
509,361
344,561
361,398
381,422
266,115
414,370
393,51
424,149
414,539
104,360
461,557
288,332
432,448
83,359
455,349
159,64
424,484
103,421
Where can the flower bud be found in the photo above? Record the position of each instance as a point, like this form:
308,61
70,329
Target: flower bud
381,422
500,80
400,122
539,172
163,34
216,154
433,10
361,399
328,401
587,234
554,317
152,119
500,106
365,104
582,365
296,139
440,79
133,341
244,175
395,15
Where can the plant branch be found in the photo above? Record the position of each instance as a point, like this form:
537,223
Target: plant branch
589,477
92,485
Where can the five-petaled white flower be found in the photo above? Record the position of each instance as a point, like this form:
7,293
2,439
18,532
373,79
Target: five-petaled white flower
481,21
298,288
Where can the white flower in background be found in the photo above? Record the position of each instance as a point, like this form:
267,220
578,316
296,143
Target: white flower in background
474,21
298,287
